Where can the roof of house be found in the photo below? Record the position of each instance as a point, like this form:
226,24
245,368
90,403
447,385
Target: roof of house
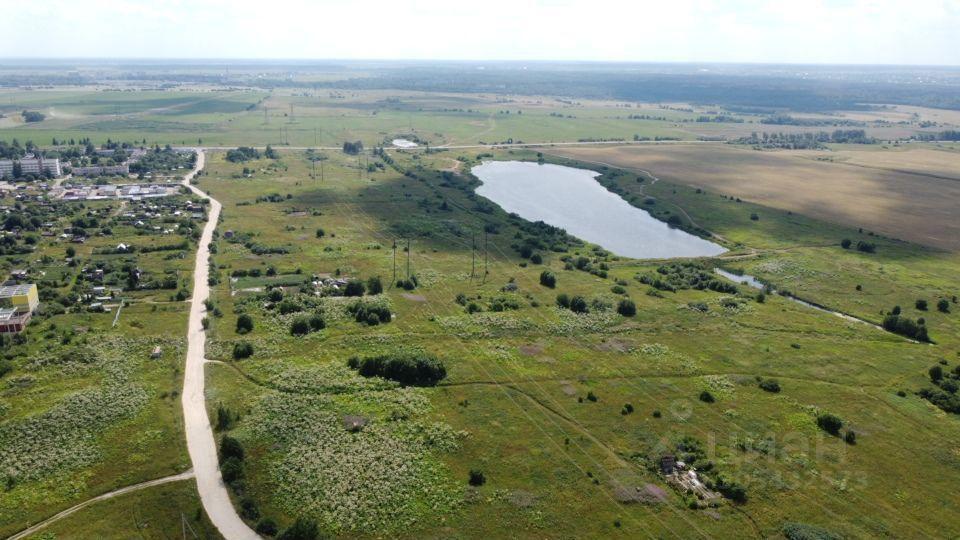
7,291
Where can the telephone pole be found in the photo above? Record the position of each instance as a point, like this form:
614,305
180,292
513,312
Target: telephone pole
473,255
408,259
394,262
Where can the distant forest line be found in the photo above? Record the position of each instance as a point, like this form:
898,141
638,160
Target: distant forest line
745,89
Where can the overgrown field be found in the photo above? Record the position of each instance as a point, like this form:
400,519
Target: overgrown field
550,419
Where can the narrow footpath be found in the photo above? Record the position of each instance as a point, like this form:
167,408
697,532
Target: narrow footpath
200,441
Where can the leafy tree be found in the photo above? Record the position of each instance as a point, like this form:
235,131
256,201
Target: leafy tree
707,397
230,448
231,469
563,300
921,304
548,279
244,324
374,285
936,373
845,243
943,306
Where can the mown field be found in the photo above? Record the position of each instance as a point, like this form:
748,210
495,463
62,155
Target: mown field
566,414
904,193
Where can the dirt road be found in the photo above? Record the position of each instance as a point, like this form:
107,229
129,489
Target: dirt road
136,487
200,440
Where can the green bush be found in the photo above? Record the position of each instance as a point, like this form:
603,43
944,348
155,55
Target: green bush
578,305
317,322
802,531
231,469
242,349
477,478
302,529
374,285
413,369
627,307
230,448
289,306
770,385
244,324
354,287
548,279
300,326
266,527
829,423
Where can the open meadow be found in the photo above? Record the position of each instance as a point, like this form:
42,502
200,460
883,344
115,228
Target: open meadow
390,354
564,415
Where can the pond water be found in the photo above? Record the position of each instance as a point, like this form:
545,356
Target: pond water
572,199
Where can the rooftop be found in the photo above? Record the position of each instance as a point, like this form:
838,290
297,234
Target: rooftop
7,291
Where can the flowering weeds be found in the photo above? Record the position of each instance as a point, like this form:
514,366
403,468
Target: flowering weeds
384,477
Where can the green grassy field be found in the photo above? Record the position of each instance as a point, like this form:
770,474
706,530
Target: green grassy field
514,404
566,415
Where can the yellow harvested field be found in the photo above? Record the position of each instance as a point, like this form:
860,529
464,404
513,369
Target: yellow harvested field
889,192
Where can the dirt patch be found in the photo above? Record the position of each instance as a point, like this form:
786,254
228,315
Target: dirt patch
900,198
615,345
647,494
568,388
522,499
532,349
297,214
414,297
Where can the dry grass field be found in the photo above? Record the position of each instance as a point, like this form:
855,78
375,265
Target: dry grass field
889,192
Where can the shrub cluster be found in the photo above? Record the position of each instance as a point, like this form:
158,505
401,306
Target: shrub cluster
413,369
370,312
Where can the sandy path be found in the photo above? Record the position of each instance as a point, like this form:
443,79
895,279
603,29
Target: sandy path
136,487
200,440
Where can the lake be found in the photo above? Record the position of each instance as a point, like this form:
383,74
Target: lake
572,199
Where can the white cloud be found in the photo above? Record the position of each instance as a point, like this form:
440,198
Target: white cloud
829,31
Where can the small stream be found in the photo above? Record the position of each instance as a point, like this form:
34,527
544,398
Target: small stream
755,283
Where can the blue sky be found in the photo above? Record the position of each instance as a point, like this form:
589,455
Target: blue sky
789,31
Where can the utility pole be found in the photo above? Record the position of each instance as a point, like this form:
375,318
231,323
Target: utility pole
473,255
394,262
408,259
486,269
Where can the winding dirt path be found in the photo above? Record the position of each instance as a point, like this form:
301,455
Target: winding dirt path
129,489
200,441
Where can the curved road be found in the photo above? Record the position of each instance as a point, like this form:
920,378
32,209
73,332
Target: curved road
129,489
200,441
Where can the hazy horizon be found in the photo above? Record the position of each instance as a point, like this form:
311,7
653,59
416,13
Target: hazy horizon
847,32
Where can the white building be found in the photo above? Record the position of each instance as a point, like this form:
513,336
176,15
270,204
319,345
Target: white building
30,165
